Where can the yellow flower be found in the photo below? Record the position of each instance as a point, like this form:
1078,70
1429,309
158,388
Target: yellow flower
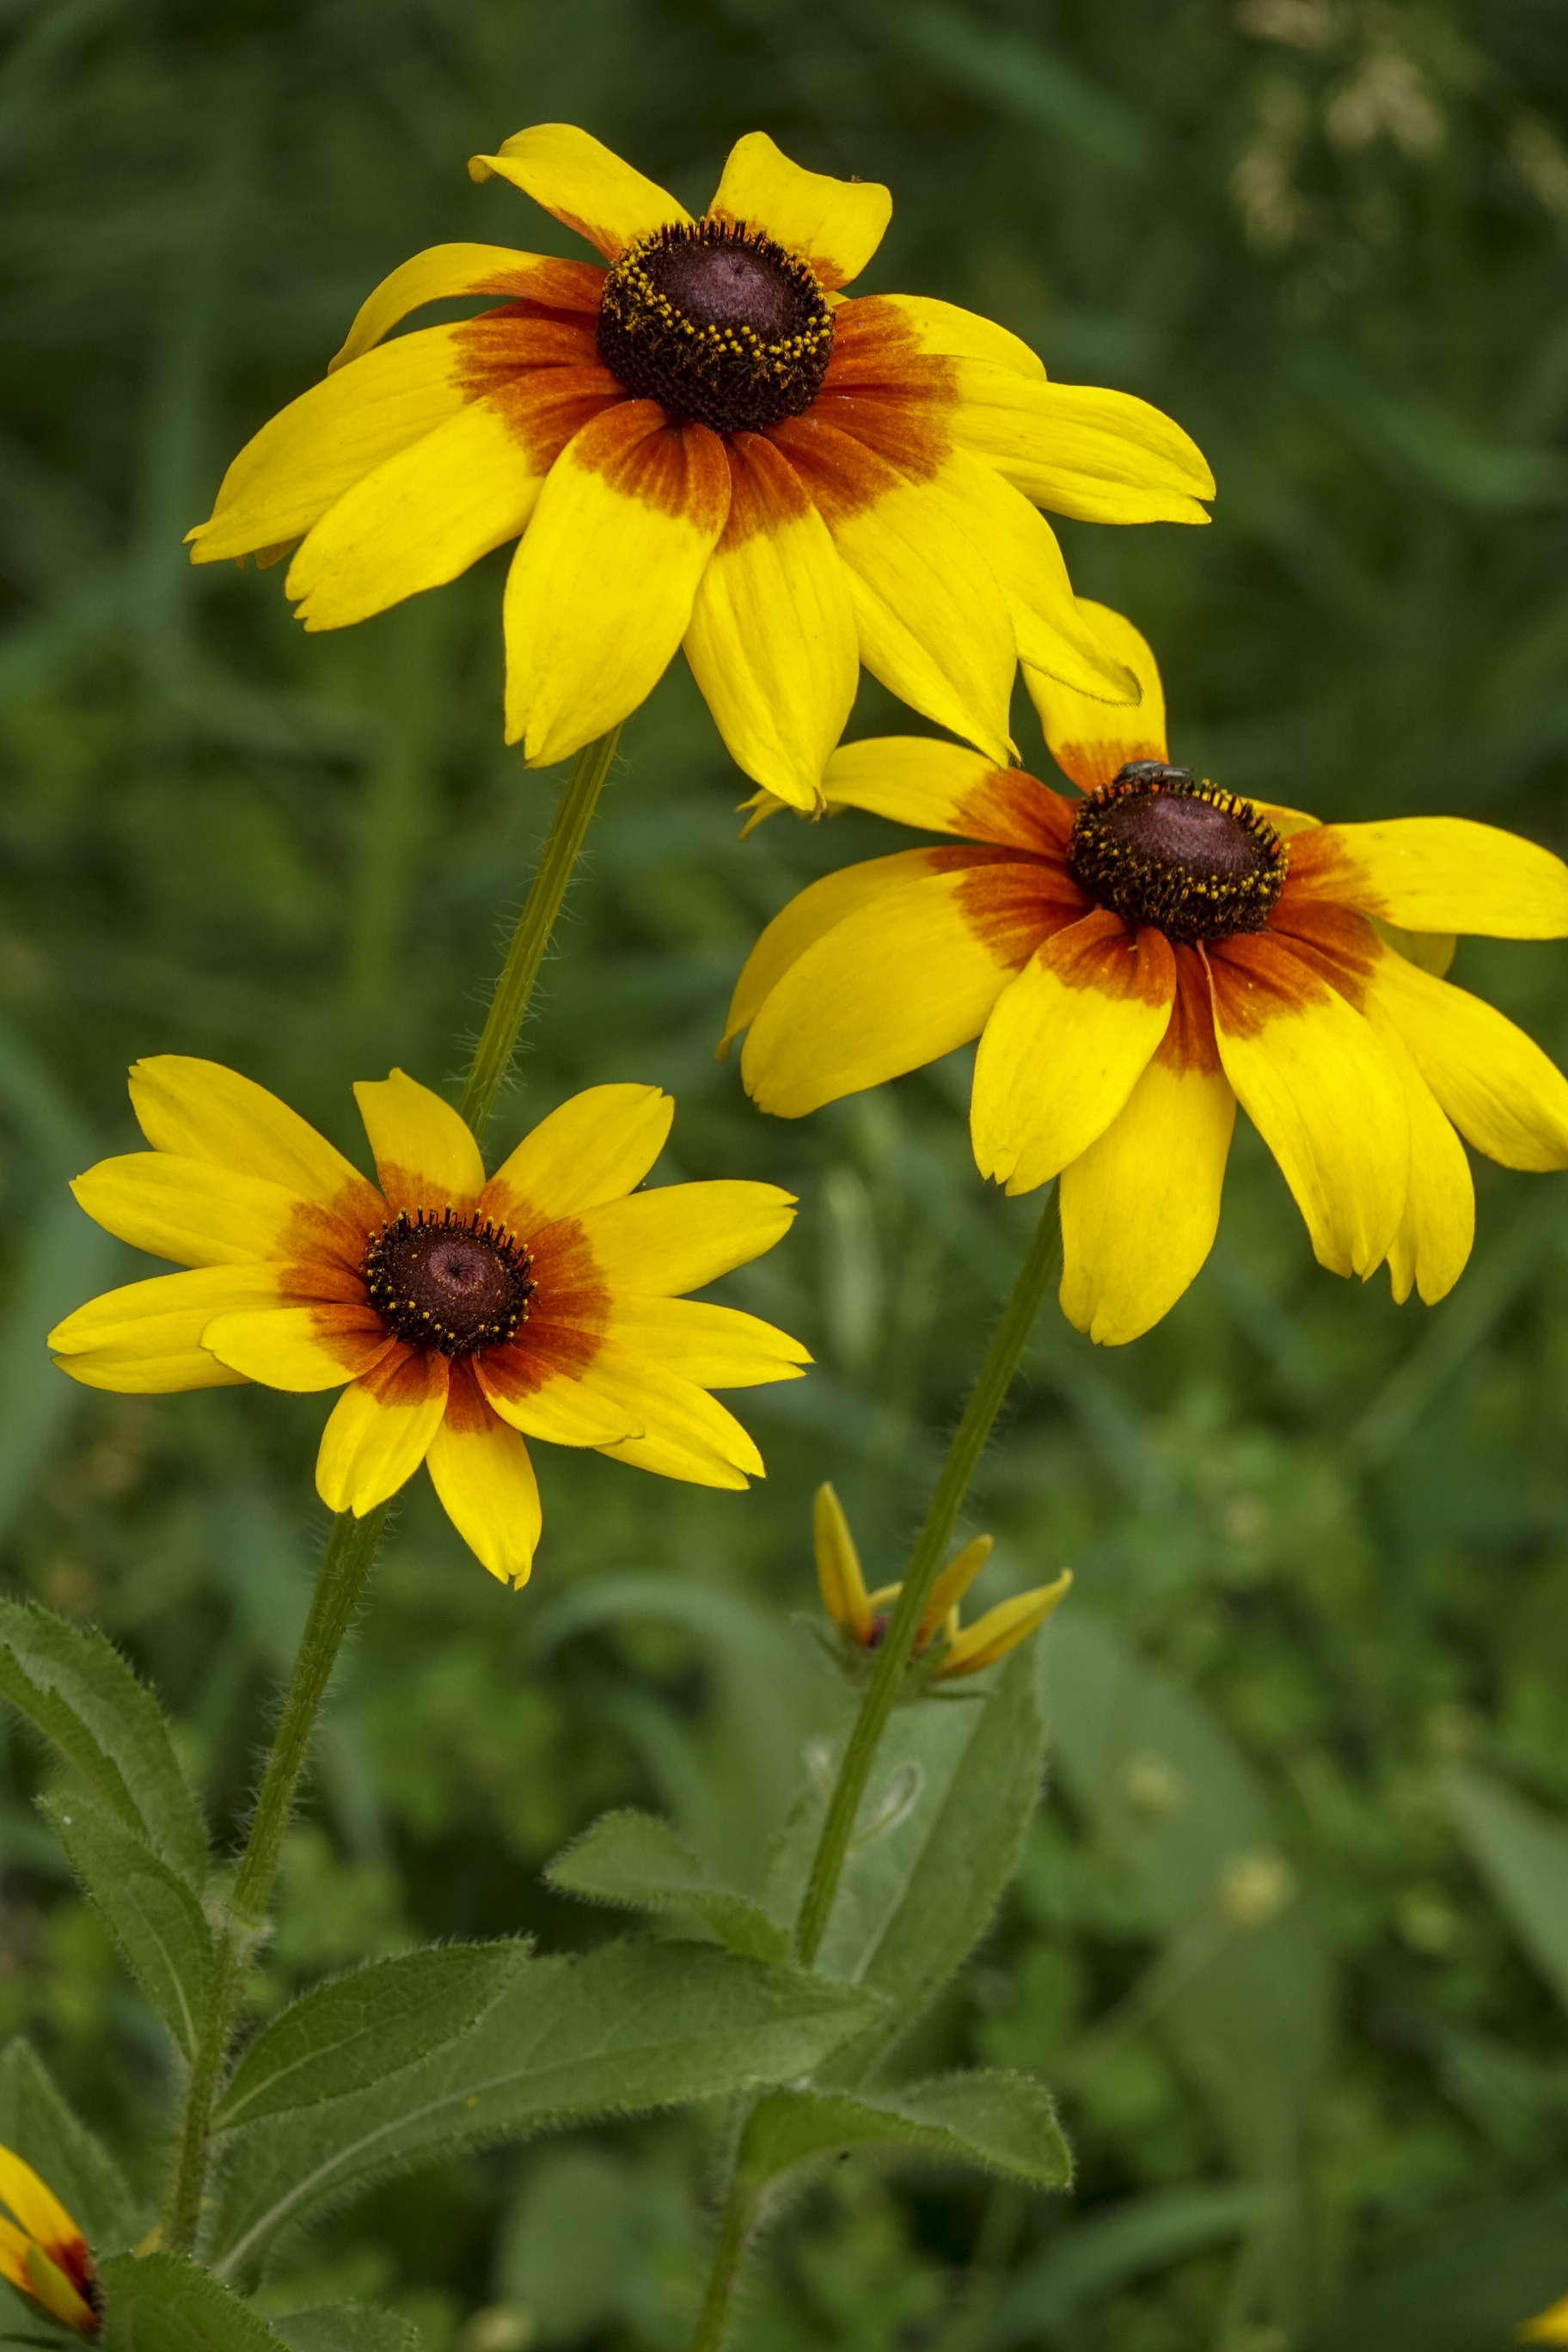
464,1314
1546,2328
862,1617
706,445
1137,961
43,2252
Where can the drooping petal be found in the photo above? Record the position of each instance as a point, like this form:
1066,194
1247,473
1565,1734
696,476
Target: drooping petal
838,1573
1432,1247
299,1348
425,1156
716,1347
1440,874
1067,1043
682,1236
836,225
771,640
1103,456
595,1147
601,589
1089,739
587,187
1316,1081
1496,1086
419,519
146,1340
380,1430
306,457
546,1397
932,622
686,1433
944,330
915,780
479,1468
443,271
189,1210
902,982
199,1110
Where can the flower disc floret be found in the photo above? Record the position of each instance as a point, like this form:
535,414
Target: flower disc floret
454,1284
719,323
1161,849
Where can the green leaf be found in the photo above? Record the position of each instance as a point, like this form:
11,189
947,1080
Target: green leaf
1087,2264
638,1863
635,2026
75,1688
999,2122
157,1924
1524,1855
37,2123
164,2304
343,2036
1493,2267
346,2328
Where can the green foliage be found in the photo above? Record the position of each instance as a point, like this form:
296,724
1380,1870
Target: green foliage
156,1922
1000,2123
638,1863
1524,1855
36,2124
164,2303
344,2327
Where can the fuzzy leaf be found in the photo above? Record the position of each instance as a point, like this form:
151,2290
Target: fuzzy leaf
157,1924
75,1688
635,2026
638,1863
343,2036
346,2328
36,2122
999,2122
164,2304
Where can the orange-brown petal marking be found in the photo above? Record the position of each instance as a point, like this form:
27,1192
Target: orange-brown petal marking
1010,902
1159,848
1335,942
843,470
1017,810
1261,978
1188,1045
720,325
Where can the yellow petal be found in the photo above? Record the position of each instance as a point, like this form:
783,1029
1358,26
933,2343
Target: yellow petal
944,330
601,588
1089,738
58,2294
1441,874
35,2205
200,1110
1433,951
838,1573
418,520
532,1396
1549,2327
809,915
424,1156
1103,456
443,271
14,2247
933,623
686,1433
299,1347
836,225
1316,1081
285,478
1066,1045
716,1347
597,1147
683,1235
1003,1628
771,641
1496,1086
1140,1207
1432,1247
915,780
188,1210
1055,637
952,1585
146,1340
379,1432
479,1468
902,982
587,187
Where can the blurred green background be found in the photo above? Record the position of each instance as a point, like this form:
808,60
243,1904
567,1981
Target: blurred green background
1298,1870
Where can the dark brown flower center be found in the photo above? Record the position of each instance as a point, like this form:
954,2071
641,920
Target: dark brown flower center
1158,848
719,323
448,1283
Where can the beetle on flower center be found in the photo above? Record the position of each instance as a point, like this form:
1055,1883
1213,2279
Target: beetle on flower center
1156,846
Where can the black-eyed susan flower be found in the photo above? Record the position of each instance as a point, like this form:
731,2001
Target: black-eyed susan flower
42,2251
945,1650
706,445
464,1314
1136,961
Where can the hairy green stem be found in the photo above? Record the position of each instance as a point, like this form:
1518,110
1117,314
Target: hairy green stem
509,1005
740,2208
1035,1277
346,1564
